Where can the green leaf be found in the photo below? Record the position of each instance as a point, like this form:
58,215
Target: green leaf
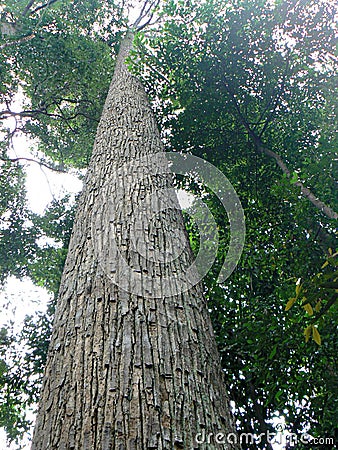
273,352
298,287
294,178
318,306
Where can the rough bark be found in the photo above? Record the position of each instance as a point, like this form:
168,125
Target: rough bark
129,371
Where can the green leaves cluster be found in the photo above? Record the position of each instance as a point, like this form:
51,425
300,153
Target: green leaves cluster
64,68
318,297
17,239
228,81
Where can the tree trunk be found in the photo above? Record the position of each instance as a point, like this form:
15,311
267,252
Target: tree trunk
130,366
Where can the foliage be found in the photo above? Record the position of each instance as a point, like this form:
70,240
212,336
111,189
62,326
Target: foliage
23,355
54,228
253,76
317,296
17,238
226,79
64,69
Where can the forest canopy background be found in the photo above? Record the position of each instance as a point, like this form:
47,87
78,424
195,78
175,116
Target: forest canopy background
250,86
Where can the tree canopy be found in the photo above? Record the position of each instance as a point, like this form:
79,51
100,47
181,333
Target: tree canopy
250,86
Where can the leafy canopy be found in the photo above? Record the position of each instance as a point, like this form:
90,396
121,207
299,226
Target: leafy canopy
247,85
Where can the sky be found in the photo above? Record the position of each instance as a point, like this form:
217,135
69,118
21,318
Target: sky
19,298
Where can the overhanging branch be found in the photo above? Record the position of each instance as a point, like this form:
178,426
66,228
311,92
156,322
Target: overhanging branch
27,10
17,41
41,163
35,112
147,13
11,29
44,5
306,192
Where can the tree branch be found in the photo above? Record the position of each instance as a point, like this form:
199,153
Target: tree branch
35,112
306,192
41,163
27,8
11,28
277,97
146,11
45,5
324,310
17,41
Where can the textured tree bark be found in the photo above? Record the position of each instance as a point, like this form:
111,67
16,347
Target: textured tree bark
127,370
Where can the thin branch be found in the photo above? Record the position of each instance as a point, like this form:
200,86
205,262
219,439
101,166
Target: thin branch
34,112
26,12
145,24
41,163
48,183
146,11
45,5
273,100
17,41
141,15
278,96
150,23
306,192
64,118
27,8
324,310
323,238
71,100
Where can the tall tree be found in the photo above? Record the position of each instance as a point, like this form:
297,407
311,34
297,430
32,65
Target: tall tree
259,65
129,368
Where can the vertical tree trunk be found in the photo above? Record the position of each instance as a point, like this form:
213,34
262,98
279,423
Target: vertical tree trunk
127,370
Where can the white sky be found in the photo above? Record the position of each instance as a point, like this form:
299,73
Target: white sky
23,297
